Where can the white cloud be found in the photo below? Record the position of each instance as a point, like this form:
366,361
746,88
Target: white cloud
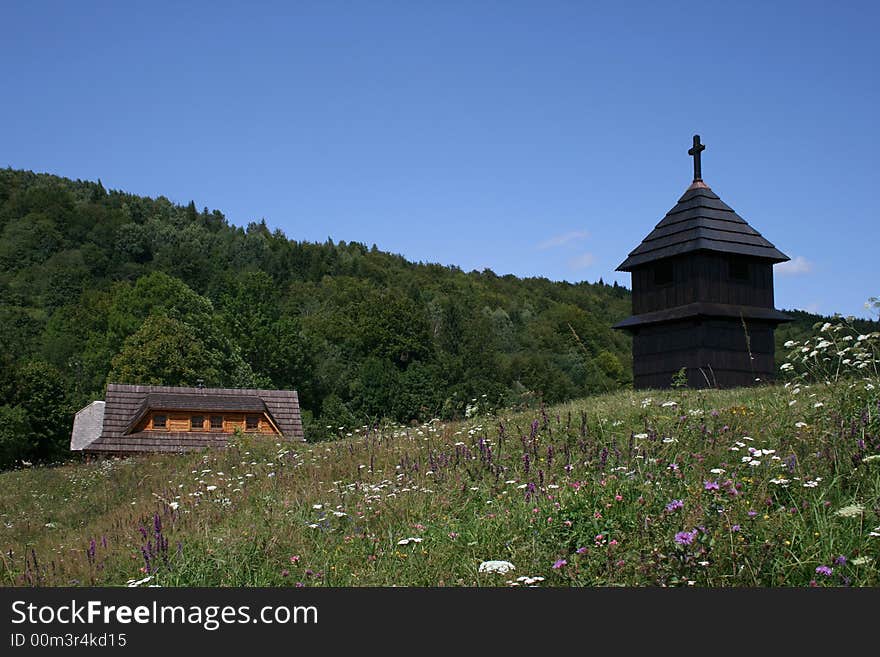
795,266
562,240
582,261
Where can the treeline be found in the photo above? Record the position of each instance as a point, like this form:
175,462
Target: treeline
99,286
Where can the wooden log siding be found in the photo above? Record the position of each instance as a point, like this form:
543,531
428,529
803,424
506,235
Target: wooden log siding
180,422
125,402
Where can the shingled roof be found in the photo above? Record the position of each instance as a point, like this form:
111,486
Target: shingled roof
125,405
701,221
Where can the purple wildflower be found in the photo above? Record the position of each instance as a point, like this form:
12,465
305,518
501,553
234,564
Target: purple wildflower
735,528
840,561
824,570
686,538
674,505
581,550
711,485
752,513
560,563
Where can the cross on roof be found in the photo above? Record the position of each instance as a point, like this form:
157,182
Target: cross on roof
695,151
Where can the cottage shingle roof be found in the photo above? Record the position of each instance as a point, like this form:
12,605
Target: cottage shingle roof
126,404
701,221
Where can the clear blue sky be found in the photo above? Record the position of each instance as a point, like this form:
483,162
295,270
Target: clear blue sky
534,138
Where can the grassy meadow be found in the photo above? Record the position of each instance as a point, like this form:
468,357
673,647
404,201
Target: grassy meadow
767,486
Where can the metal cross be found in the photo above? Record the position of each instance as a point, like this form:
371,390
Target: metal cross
695,151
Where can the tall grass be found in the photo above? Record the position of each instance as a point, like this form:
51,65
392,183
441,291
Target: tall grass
769,486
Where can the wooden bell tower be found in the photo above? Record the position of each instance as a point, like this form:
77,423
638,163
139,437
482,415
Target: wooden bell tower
702,295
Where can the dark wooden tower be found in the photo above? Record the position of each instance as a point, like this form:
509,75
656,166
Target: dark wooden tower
702,295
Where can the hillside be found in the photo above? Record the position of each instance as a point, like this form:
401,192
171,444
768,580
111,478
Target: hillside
99,286
771,486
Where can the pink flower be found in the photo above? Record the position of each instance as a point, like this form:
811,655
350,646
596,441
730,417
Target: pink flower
294,558
618,497
560,564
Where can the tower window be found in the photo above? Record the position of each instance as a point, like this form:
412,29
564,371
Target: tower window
663,273
739,269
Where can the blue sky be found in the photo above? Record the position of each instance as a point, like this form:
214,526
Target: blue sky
534,138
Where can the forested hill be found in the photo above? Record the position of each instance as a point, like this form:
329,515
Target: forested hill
99,286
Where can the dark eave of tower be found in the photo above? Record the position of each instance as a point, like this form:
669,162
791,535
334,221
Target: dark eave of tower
701,221
704,309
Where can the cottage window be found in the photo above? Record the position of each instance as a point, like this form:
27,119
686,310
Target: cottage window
216,421
252,422
197,422
663,274
160,421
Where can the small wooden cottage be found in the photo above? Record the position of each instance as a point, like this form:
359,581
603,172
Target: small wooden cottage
136,418
702,295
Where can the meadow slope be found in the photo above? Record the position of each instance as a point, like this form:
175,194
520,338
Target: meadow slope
769,486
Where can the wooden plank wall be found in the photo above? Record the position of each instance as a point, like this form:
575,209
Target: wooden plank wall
715,345
702,277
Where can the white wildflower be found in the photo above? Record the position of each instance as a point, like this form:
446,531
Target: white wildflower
500,567
137,582
851,511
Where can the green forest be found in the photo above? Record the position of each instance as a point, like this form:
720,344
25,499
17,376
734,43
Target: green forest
101,286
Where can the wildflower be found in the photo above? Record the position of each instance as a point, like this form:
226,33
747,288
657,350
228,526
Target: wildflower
210,488
407,541
824,570
581,550
285,573
674,505
173,506
862,561
735,528
560,563
137,582
840,561
500,567
294,558
669,404
711,485
686,538
453,535
752,513
850,511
